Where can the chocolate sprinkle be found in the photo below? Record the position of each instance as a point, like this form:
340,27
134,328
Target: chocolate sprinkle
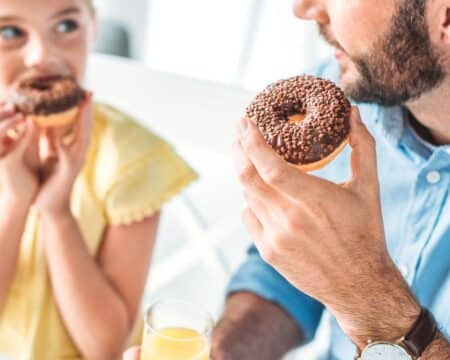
325,126
46,96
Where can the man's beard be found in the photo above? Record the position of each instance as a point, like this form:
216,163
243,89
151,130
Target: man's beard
401,66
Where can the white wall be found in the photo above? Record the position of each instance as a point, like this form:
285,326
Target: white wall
133,15
248,43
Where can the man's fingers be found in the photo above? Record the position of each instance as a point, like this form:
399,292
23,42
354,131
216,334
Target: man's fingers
248,175
274,170
260,207
363,157
253,225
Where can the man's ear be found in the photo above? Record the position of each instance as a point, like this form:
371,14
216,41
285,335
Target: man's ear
443,18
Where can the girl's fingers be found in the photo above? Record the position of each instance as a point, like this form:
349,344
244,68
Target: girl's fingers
6,110
9,123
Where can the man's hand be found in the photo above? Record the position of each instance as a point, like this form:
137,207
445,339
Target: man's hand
253,328
327,239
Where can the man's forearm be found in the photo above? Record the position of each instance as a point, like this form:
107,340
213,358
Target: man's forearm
12,223
253,328
439,349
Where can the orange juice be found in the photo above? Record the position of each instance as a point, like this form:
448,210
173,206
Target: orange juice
174,343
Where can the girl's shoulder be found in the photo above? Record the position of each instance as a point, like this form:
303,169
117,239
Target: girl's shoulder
132,170
120,127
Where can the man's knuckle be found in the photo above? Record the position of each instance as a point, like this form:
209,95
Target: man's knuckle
247,174
274,176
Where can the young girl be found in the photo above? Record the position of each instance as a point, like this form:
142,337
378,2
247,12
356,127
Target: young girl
78,221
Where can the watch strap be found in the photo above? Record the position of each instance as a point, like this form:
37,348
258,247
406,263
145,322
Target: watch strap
421,334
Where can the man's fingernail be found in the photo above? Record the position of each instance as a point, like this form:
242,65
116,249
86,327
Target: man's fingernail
356,114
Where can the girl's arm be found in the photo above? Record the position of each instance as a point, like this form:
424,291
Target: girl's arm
98,298
12,223
18,187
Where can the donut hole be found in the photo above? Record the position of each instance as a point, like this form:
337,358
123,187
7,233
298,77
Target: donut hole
296,118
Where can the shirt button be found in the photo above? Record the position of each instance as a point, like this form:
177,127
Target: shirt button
403,270
433,177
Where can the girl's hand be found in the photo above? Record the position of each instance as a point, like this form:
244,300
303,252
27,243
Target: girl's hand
54,196
18,164
132,354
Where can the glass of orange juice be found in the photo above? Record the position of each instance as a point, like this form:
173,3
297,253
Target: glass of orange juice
176,330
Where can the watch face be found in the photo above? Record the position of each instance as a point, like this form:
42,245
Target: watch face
380,351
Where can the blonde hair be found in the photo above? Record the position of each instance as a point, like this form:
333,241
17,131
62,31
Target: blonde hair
90,3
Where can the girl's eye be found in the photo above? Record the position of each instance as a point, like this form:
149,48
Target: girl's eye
66,26
10,33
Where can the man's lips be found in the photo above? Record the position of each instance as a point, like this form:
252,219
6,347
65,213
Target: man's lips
339,51
340,55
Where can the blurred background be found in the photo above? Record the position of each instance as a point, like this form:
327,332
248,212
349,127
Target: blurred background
187,70
248,43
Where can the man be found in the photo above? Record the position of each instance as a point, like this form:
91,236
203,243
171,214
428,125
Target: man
374,251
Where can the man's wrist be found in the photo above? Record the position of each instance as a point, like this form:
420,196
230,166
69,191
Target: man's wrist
384,309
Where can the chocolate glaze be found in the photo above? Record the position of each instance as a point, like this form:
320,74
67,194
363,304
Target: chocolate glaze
326,124
45,96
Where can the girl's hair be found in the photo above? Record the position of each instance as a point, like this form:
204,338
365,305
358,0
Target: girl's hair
91,5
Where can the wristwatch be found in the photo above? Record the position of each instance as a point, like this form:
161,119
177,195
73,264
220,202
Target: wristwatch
409,347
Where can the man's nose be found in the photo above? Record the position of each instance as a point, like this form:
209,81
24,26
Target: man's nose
315,10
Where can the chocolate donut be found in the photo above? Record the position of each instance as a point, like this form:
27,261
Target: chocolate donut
52,100
305,119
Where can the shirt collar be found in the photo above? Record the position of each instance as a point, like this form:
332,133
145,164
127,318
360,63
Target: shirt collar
392,122
398,131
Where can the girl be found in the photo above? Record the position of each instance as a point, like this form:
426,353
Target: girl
78,221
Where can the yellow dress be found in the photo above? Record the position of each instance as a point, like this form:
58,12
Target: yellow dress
128,175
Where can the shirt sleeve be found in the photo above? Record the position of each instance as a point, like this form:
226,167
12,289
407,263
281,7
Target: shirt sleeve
257,277
136,171
143,191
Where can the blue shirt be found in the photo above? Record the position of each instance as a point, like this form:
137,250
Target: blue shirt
414,180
